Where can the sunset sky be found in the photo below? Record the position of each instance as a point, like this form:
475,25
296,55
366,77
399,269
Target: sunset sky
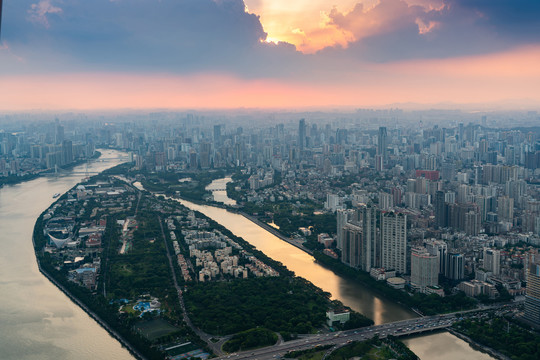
110,54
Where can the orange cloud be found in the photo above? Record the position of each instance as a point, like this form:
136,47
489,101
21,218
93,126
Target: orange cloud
303,23
311,25
481,79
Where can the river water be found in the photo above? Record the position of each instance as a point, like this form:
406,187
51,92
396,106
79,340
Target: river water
218,189
37,321
437,346
357,297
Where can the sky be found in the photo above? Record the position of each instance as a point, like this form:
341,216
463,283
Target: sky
292,54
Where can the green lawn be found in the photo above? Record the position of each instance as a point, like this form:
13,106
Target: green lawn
154,329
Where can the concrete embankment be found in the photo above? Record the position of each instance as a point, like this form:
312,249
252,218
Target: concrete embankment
477,346
275,232
253,219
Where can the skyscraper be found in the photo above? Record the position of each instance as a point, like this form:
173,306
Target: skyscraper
424,268
58,132
386,201
371,248
217,135
343,217
439,248
351,253
67,151
505,208
382,142
394,241
455,266
532,298
492,261
301,134
441,210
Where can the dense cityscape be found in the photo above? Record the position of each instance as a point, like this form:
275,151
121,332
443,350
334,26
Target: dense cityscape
270,179
438,219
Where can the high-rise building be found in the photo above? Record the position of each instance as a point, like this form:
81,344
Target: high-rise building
472,223
371,248
343,217
441,210
386,201
505,208
379,162
396,194
67,152
301,134
439,248
464,217
58,132
217,135
351,254
205,154
424,268
455,267
333,202
448,171
382,142
193,159
532,298
394,241
492,261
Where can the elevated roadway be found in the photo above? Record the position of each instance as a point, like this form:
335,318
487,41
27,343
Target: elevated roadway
341,338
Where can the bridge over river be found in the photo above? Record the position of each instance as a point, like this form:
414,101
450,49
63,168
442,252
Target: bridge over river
341,338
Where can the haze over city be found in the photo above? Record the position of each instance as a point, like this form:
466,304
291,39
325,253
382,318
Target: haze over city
270,179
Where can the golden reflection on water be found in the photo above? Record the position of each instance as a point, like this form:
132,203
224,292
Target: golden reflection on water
355,296
443,346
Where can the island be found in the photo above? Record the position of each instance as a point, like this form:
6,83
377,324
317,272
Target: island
169,282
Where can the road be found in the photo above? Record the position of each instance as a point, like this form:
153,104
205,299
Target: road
398,328
216,347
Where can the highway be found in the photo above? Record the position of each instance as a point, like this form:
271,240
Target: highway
398,328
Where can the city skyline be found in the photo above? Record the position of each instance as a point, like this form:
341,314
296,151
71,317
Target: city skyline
260,54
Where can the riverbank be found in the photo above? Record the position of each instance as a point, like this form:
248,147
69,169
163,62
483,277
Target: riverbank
133,351
90,297
477,346
70,166
382,309
275,232
253,219
415,303
14,180
88,311
298,245
38,319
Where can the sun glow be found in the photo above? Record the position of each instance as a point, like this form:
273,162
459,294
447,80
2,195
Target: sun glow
303,23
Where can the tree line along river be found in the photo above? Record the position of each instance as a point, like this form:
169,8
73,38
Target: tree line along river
38,321
440,346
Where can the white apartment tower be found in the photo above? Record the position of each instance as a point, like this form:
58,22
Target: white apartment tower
394,241
424,268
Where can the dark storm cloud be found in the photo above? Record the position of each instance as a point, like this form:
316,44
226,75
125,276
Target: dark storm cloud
156,35
188,36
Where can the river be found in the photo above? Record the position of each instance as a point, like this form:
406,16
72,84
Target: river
218,189
437,346
38,321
